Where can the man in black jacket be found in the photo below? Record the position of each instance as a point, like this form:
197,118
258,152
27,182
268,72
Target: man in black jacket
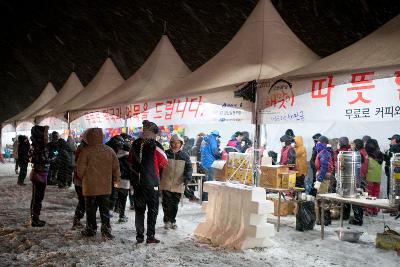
23,158
148,158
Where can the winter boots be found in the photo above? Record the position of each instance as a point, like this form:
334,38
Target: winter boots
35,222
76,223
152,240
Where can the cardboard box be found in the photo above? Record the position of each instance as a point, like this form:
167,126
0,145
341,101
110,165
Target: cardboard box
287,207
270,175
288,179
219,169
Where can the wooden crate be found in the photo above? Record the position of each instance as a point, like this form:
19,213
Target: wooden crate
287,207
270,175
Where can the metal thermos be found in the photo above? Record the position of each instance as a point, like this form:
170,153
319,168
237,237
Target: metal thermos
394,194
348,173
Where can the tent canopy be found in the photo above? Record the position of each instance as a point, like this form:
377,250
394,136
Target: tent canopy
263,48
162,68
106,80
71,88
379,49
47,94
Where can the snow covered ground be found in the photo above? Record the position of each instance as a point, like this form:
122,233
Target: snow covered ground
57,245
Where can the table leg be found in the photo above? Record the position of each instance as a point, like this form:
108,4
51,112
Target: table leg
200,181
341,214
279,212
322,218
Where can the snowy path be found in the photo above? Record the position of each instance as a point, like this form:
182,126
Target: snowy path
56,244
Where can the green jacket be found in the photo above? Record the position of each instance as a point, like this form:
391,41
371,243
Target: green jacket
374,171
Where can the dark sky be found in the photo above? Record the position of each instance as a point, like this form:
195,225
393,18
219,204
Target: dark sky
44,39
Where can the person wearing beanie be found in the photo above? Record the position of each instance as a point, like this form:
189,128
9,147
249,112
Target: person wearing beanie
174,179
290,133
312,160
148,158
98,167
324,169
39,157
122,188
288,154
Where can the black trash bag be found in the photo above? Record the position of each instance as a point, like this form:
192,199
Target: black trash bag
305,216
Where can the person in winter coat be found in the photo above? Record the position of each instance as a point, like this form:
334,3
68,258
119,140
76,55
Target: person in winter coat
358,145
236,141
324,168
209,153
98,167
312,160
53,152
15,153
288,154
23,158
174,177
374,171
80,208
39,157
148,159
64,164
393,148
116,143
72,145
301,161
123,186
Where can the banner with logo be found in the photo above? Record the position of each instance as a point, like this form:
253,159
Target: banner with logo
372,95
221,107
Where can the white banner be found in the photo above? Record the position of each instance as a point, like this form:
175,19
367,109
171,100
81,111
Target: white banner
97,119
220,107
353,97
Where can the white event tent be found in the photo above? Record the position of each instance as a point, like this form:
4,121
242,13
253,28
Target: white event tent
264,47
70,89
106,80
353,92
21,123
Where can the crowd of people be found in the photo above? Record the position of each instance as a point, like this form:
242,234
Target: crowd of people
106,175
324,167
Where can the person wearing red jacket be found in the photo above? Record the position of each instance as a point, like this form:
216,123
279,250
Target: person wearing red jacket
148,159
288,154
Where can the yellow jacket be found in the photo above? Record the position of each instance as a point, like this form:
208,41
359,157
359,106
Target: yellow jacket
301,156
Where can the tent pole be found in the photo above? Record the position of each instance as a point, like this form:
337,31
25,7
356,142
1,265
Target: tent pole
256,156
69,123
125,123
